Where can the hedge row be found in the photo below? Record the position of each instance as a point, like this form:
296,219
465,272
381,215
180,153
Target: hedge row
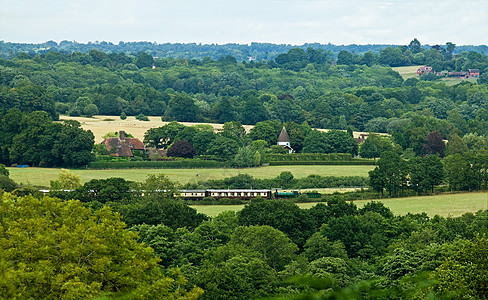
271,157
338,162
176,164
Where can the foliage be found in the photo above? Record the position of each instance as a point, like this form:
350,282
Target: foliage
7,184
4,171
462,276
181,148
280,214
72,253
66,181
176,164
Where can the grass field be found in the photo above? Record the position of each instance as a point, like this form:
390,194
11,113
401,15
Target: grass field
407,72
443,205
42,176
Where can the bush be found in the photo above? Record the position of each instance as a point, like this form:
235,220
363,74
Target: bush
175,164
4,171
142,117
123,116
7,184
332,162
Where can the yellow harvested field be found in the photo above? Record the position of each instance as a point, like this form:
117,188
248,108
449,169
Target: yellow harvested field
101,125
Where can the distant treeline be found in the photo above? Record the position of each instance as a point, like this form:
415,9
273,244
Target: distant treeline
258,51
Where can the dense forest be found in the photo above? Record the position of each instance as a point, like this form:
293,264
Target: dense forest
80,249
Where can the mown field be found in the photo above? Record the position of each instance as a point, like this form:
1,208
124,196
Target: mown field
444,205
407,72
42,176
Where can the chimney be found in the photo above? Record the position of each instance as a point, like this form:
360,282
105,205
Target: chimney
122,135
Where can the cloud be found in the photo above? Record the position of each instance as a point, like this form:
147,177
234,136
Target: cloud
224,21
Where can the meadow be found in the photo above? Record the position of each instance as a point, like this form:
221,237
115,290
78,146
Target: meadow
444,205
42,176
407,72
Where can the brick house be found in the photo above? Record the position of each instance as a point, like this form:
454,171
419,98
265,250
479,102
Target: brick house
424,70
123,146
474,73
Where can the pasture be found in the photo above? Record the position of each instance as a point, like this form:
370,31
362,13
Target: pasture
445,205
42,176
407,72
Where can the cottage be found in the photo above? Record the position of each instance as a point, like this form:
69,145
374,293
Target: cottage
123,146
284,140
424,70
474,73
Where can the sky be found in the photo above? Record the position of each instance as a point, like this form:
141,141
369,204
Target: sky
295,22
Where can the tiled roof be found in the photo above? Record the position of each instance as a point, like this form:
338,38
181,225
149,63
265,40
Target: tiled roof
124,147
284,137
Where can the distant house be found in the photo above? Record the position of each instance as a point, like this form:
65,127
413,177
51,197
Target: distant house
123,146
424,70
284,140
474,73
459,74
361,138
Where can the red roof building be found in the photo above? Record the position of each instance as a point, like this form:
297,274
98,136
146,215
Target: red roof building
123,146
424,70
474,73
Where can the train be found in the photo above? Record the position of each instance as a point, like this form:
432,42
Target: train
244,194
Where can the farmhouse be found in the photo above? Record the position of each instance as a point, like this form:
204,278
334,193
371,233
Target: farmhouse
474,73
284,140
123,146
424,70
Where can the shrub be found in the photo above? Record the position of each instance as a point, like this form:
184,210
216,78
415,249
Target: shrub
142,117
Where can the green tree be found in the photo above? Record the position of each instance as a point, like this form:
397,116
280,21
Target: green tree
66,181
368,149
163,136
90,110
426,172
222,147
244,158
280,214
72,252
459,173
267,131
144,60
182,107
7,184
391,173
3,170
463,275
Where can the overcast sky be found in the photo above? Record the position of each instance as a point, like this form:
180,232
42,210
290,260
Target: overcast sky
293,22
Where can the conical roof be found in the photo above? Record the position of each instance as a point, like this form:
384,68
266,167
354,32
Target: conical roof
284,137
